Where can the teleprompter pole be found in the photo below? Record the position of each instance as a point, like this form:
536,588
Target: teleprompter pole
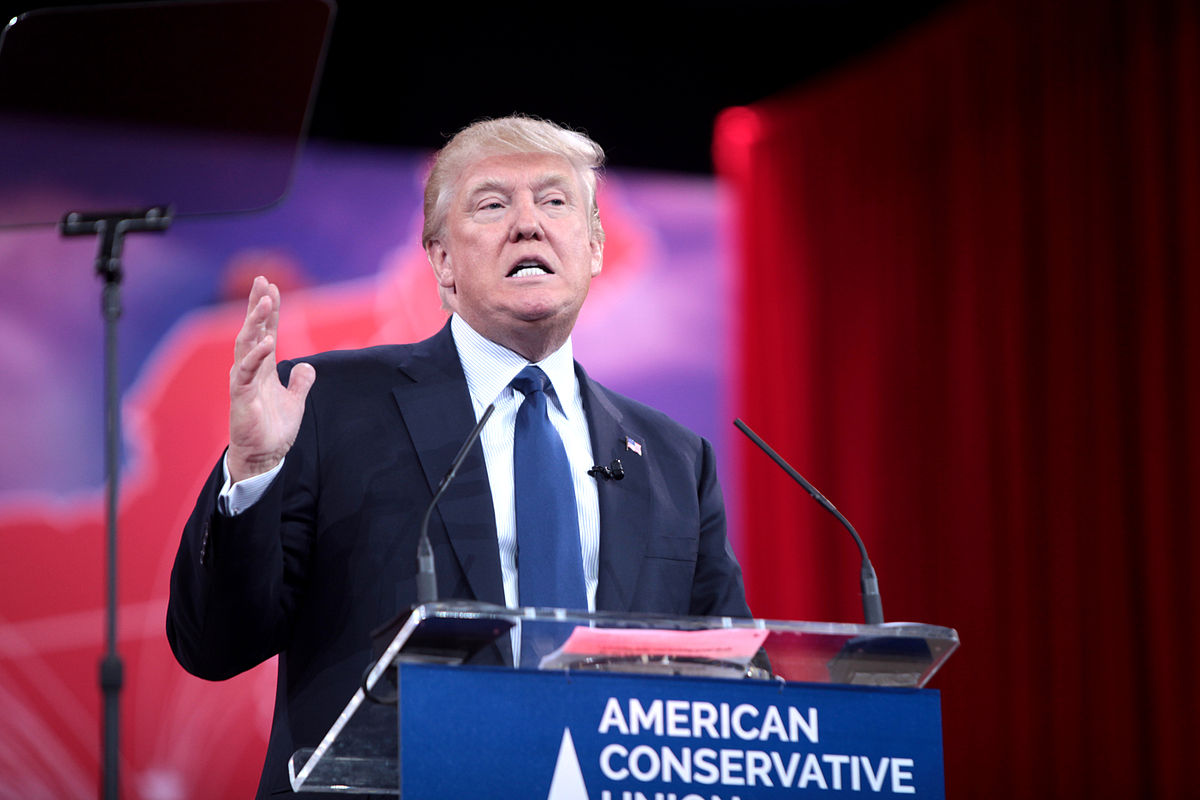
111,227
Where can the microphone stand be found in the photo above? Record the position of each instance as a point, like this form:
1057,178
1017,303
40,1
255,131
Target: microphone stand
111,227
872,604
427,591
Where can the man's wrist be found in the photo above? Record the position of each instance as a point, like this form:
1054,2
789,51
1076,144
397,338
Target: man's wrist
239,468
237,496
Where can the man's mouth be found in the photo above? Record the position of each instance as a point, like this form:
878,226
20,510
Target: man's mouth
528,268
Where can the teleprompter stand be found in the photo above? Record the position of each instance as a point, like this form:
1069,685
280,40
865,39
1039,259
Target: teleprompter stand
111,228
150,107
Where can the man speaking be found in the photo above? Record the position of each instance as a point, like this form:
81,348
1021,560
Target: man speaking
304,538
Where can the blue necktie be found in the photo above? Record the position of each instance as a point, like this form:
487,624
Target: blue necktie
549,561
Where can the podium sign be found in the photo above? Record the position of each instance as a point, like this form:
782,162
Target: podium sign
521,734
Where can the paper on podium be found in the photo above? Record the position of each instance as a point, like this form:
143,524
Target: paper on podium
717,651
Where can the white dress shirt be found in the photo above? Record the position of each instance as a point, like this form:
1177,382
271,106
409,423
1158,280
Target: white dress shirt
489,368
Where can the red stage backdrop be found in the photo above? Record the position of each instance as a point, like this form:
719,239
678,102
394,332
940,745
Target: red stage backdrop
969,303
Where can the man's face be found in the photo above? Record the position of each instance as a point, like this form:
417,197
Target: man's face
516,252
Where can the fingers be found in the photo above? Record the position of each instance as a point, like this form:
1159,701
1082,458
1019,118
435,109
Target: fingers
300,381
247,368
262,318
273,318
258,289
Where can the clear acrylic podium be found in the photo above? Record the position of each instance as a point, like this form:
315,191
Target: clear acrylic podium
361,753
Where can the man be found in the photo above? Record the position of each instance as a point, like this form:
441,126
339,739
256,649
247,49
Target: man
304,538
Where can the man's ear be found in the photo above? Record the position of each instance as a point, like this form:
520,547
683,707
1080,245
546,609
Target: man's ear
597,247
439,259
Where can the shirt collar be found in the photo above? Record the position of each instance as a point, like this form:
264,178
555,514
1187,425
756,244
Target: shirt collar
490,367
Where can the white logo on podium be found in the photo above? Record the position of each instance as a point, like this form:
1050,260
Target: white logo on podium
567,783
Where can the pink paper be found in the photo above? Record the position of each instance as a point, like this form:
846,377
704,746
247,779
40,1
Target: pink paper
720,644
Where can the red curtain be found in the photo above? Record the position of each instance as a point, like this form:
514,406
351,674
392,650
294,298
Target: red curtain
970,290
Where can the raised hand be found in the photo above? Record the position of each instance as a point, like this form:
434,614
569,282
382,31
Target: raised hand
264,415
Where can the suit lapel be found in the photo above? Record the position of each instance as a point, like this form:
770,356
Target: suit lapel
437,412
624,504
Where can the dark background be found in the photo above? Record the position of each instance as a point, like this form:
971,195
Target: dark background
645,80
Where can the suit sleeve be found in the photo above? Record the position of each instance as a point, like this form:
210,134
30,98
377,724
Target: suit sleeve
237,580
717,589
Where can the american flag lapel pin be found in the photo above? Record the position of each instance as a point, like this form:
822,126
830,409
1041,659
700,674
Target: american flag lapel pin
633,445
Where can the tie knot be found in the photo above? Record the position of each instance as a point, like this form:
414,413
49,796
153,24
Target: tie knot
530,380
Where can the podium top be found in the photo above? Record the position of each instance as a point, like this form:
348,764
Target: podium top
359,750
898,654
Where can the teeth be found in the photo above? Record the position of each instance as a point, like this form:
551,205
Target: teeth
525,272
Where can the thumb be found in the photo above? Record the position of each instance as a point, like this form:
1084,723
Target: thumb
301,380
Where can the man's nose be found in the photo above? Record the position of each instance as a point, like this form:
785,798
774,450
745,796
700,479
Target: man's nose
526,223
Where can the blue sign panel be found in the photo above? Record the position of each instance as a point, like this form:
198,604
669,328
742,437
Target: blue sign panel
495,733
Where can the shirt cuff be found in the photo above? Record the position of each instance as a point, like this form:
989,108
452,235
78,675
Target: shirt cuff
237,497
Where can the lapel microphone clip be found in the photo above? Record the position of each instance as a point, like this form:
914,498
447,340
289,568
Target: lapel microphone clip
615,471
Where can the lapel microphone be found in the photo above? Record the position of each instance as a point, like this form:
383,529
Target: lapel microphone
615,471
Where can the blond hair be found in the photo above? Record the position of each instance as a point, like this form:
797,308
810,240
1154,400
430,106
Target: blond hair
517,134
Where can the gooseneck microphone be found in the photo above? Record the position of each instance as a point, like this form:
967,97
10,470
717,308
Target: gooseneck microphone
426,577
872,604
615,471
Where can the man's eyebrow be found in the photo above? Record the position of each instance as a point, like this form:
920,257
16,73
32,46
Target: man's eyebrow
490,185
556,180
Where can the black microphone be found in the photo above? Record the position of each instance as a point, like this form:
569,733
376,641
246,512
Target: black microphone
872,604
426,577
614,471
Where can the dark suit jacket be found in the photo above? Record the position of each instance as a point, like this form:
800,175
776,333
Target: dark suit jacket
328,553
